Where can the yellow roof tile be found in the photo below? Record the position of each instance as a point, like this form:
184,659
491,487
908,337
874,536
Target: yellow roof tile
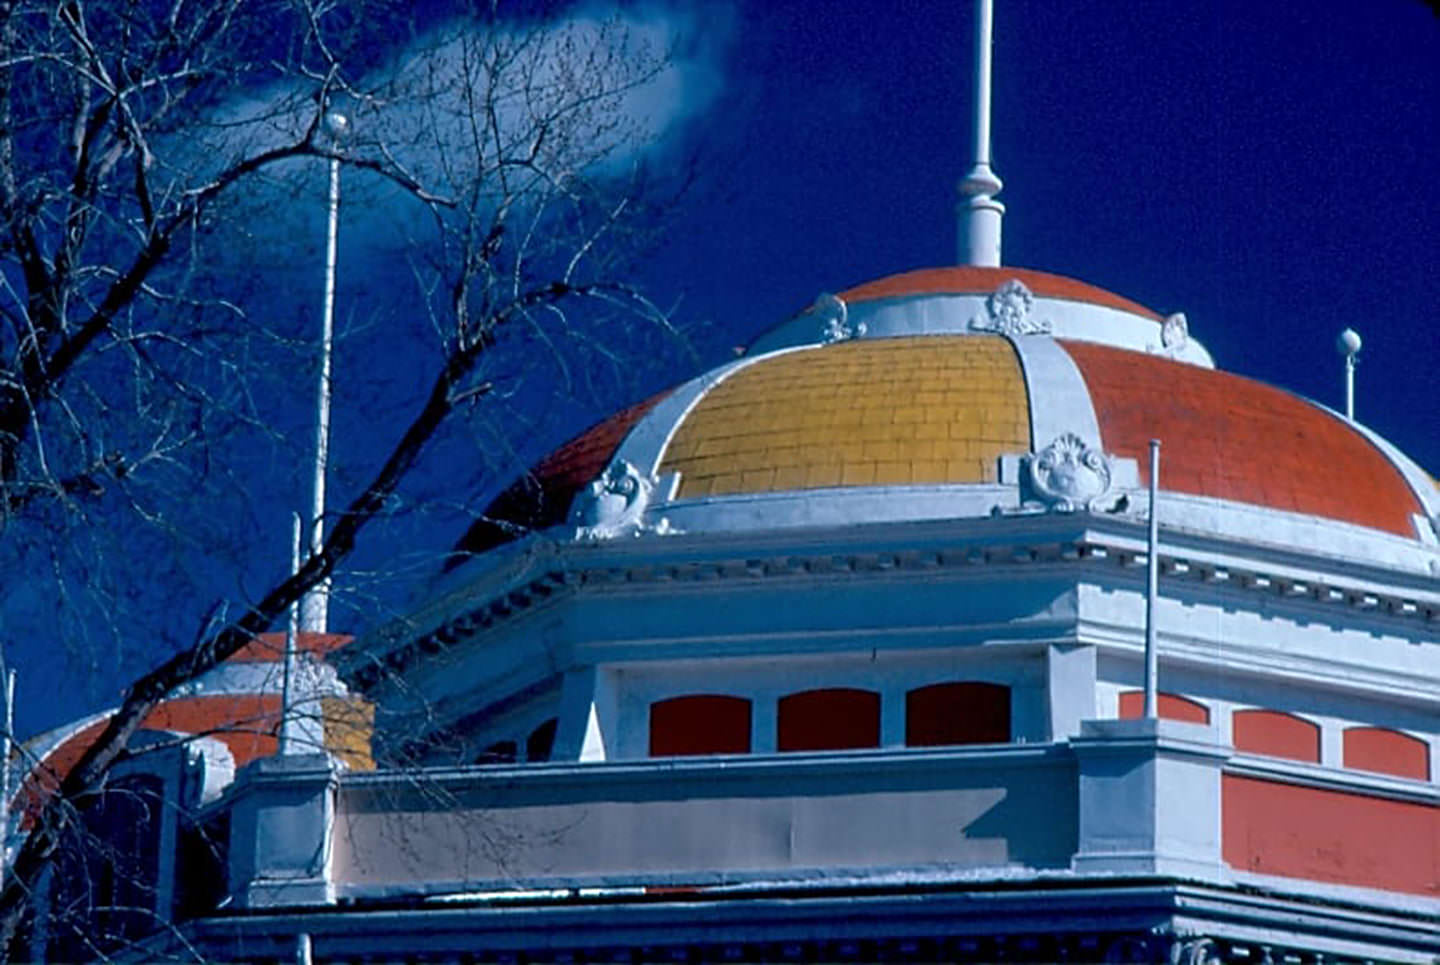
940,409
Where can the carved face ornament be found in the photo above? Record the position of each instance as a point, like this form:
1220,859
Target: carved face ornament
1007,311
1009,306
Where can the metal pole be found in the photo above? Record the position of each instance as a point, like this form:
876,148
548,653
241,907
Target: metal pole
1152,589
315,610
5,744
979,214
1348,345
288,724
1350,387
984,32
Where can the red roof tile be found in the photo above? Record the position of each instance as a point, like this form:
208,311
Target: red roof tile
969,279
1230,437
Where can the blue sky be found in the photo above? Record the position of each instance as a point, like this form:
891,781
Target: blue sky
1266,168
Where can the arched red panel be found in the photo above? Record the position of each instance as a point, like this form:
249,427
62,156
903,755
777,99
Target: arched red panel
965,712
1388,752
1172,707
827,720
1276,734
700,724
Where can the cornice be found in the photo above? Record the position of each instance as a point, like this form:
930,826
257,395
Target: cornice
1083,544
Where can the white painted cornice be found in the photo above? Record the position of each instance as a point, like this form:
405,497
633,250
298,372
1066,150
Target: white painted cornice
1085,547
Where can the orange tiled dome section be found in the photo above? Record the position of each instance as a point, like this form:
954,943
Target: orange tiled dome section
869,412
1233,438
971,280
542,498
245,721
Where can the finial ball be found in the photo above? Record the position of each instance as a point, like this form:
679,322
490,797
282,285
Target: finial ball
1348,344
337,125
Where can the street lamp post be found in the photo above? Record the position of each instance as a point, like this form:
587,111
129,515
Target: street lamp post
1348,345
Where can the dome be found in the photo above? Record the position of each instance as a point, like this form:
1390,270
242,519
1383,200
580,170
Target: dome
970,391
234,709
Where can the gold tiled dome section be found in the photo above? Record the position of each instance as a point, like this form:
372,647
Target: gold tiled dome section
869,412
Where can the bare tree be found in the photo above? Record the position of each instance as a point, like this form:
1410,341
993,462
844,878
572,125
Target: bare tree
148,151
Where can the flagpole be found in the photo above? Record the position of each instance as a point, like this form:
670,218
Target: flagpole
315,609
1152,589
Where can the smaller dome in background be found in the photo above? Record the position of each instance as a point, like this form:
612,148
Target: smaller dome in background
237,705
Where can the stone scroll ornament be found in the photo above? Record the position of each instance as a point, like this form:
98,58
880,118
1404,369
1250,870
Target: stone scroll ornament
1175,333
1069,475
614,504
834,317
1007,312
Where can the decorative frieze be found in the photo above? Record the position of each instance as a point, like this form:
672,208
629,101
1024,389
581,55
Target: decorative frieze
833,316
1008,312
1175,333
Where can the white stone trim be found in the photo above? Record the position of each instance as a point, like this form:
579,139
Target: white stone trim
951,314
837,506
1059,398
645,444
1327,777
1316,535
1263,526
530,572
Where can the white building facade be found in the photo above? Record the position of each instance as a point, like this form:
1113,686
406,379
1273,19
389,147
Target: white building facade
837,653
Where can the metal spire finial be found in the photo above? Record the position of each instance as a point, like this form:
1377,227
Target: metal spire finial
979,213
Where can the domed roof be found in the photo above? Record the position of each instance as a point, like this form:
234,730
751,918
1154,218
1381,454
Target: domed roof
935,394
237,704
975,279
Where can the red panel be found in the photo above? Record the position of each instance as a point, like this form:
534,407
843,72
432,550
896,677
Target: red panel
827,720
971,280
1320,835
1387,751
47,775
700,724
1172,707
1276,735
957,713
245,723
542,497
270,647
1234,438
